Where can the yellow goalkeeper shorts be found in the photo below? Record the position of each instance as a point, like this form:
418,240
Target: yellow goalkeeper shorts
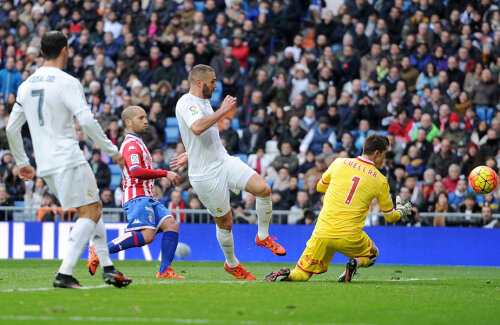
319,251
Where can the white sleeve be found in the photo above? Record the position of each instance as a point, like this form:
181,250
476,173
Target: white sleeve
74,97
307,141
189,114
95,132
13,130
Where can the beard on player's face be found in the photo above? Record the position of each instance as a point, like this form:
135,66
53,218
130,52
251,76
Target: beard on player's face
207,92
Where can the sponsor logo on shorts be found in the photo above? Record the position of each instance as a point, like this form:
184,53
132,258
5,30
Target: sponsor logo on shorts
134,158
312,261
194,110
136,221
90,193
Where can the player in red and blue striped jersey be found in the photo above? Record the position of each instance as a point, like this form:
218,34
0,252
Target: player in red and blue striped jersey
146,215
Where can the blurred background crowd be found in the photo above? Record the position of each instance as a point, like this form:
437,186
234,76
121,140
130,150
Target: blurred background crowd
313,79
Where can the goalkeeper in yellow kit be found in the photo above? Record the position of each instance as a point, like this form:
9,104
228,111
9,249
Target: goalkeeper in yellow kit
349,184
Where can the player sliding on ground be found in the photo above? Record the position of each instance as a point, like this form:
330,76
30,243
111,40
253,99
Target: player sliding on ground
350,186
49,100
212,172
145,214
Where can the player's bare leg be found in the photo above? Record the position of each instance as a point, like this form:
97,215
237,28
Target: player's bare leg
257,186
170,229
224,227
110,275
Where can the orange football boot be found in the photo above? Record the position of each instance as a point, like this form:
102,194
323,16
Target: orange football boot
239,272
169,274
270,243
93,261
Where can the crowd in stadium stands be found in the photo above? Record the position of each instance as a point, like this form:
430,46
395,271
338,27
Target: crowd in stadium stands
312,83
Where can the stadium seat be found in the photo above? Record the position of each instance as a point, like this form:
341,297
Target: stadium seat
199,5
242,156
301,184
172,121
19,204
217,94
185,196
116,176
235,123
172,134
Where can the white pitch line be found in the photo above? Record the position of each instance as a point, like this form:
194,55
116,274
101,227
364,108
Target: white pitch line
412,279
48,289
152,320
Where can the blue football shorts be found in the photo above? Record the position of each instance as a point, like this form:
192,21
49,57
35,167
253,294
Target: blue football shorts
145,212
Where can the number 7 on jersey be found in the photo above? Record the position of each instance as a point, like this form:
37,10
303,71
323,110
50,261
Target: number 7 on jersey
355,182
39,93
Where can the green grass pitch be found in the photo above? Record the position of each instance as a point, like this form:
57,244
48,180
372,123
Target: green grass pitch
383,294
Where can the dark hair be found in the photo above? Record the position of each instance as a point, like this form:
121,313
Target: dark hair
375,142
52,44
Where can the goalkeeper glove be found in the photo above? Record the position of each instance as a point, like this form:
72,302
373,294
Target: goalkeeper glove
404,209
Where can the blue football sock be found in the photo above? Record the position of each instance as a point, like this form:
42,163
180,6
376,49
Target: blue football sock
127,240
168,247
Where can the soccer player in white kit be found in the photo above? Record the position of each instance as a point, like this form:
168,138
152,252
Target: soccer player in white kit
212,172
49,100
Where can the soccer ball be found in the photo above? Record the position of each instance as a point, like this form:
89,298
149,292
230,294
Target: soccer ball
483,179
183,250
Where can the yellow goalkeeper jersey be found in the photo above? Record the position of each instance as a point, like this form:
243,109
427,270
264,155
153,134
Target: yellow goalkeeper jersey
350,185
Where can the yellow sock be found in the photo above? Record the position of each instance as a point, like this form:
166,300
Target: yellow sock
363,261
298,275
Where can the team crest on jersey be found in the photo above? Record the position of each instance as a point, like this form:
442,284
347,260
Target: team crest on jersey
150,218
194,110
134,158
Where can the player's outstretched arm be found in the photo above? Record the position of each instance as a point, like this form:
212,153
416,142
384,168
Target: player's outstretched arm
179,161
94,130
204,123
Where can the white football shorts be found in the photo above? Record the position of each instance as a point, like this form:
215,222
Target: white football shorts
214,193
74,187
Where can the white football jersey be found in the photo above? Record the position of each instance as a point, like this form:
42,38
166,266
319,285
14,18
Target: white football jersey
205,151
49,99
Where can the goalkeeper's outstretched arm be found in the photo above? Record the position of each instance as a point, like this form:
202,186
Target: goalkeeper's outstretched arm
402,211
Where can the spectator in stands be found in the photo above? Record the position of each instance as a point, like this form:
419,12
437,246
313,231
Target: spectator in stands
193,217
487,220
484,96
472,159
5,201
450,182
439,161
468,206
10,78
347,145
100,169
316,136
453,132
430,128
490,148
318,169
34,193
456,197
370,61
253,137
427,78
15,185
176,203
227,69
286,159
413,162
409,73
297,210
282,182
107,198
259,162
441,207
231,136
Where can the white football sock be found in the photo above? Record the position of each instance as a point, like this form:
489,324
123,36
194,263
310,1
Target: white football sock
101,244
264,207
78,240
225,239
